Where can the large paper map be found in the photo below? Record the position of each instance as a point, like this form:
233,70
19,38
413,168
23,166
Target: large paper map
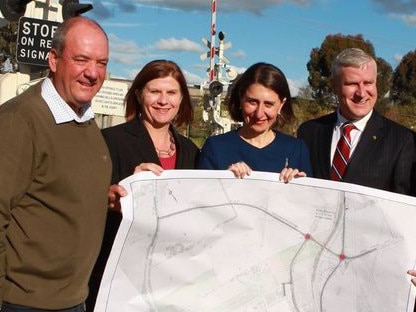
196,240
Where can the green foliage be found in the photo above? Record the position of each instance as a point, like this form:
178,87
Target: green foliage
403,90
384,79
198,130
403,114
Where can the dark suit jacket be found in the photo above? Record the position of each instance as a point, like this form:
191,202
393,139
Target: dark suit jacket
129,145
385,157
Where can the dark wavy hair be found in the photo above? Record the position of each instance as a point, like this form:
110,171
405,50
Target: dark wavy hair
268,76
154,70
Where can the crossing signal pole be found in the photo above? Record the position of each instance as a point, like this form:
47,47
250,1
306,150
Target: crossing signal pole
219,74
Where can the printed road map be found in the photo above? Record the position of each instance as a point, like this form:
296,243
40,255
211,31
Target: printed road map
199,240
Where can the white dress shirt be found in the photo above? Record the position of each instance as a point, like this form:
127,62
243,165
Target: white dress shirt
355,133
61,111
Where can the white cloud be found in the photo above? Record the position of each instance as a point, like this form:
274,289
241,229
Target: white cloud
397,58
125,47
295,85
409,19
126,53
104,9
178,45
397,6
192,78
240,54
398,9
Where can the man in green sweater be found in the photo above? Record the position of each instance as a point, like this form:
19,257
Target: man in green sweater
54,176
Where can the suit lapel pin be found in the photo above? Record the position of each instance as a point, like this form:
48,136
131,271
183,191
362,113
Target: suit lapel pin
374,137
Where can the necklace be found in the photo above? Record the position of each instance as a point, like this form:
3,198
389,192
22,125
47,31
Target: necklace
170,151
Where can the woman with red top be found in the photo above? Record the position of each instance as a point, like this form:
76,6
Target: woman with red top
157,102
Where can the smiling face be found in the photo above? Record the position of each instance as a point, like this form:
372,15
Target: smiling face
356,90
160,100
79,72
260,107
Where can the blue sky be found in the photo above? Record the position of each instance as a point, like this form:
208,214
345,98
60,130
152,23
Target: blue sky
282,32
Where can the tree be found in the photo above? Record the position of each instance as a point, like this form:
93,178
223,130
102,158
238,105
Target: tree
8,37
319,67
404,81
384,81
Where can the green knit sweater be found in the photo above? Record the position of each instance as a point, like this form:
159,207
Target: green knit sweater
53,200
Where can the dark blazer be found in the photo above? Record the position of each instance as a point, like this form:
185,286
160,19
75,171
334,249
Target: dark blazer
385,157
130,145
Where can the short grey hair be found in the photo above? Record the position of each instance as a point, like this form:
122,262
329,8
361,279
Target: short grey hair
353,57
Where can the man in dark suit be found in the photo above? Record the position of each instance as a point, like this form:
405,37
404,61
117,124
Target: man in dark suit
383,153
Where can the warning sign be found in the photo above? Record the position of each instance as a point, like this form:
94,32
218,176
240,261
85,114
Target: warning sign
34,40
110,99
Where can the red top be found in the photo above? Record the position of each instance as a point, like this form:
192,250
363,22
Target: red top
168,162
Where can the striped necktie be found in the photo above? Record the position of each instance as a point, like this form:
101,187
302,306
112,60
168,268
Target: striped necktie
342,153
